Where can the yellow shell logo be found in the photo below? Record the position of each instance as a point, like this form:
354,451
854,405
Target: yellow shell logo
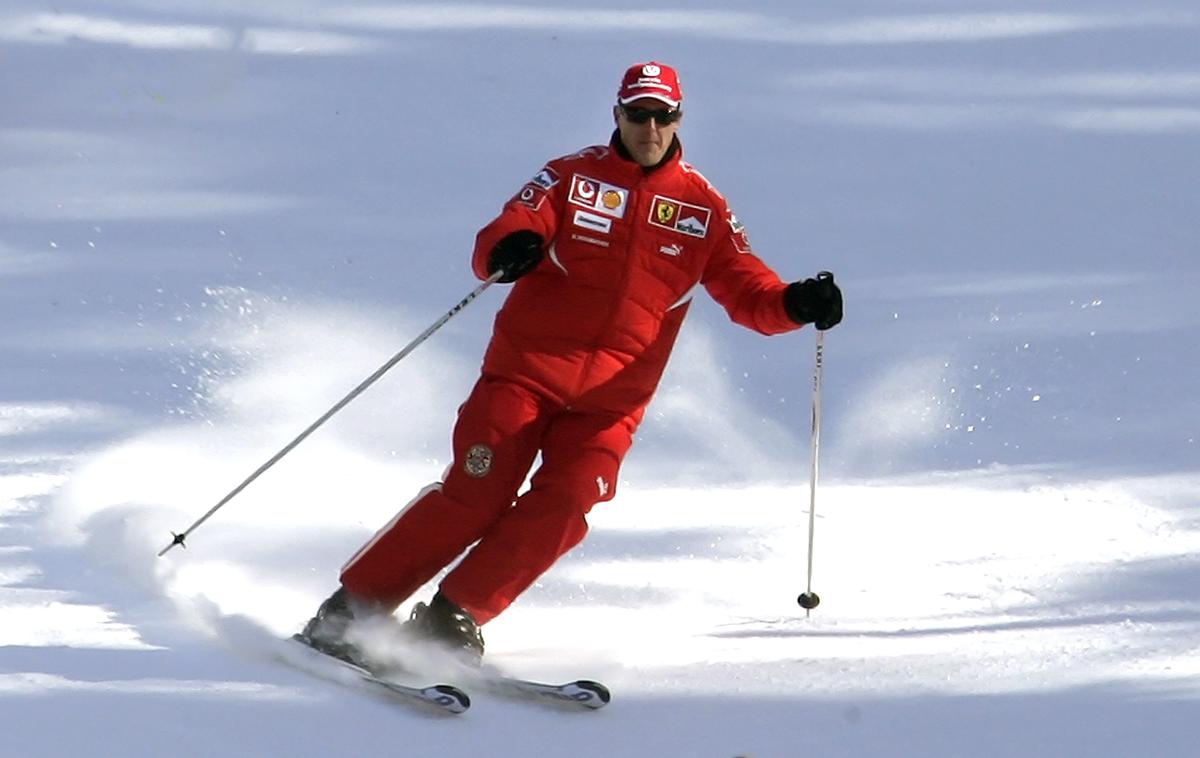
665,212
611,199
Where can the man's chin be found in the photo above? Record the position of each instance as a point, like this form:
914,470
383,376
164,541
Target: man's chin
649,157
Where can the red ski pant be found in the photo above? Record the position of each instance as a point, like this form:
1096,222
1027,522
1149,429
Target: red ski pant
500,430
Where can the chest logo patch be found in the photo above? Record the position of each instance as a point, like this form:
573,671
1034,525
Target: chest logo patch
598,196
679,216
595,222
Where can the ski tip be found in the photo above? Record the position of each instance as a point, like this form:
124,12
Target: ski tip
601,696
448,697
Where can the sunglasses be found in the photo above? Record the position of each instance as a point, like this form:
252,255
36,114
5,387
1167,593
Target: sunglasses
643,115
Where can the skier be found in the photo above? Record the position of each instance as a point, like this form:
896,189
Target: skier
605,247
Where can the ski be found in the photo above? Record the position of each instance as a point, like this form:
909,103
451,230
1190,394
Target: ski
582,693
447,697
442,697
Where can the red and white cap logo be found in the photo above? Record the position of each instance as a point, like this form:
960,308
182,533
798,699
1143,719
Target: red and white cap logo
655,80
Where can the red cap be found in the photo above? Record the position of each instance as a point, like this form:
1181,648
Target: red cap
653,79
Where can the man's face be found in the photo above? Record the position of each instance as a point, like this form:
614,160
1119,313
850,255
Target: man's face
647,142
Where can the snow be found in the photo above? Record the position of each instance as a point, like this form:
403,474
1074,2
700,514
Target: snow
218,218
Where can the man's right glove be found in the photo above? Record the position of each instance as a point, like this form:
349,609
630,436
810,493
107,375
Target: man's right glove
515,255
814,301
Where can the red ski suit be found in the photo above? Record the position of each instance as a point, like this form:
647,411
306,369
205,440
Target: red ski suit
576,353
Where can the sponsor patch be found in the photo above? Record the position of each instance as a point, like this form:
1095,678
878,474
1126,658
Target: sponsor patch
589,240
679,216
598,196
593,221
479,461
546,178
531,195
534,192
740,241
674,251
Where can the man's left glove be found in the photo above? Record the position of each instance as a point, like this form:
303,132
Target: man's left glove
516,254
814,301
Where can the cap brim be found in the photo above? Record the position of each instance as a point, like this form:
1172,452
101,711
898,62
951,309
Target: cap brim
648,96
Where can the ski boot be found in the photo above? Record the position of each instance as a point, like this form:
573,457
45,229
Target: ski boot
327,630
448,626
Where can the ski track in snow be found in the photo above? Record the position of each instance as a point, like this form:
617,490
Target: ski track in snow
219,219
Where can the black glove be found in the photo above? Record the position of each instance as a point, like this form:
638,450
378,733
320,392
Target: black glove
516,255
814,301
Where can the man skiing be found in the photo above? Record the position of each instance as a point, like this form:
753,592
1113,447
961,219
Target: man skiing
604,248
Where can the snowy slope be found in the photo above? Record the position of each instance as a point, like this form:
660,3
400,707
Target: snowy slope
217,219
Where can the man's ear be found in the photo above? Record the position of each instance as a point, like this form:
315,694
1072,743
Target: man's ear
616,110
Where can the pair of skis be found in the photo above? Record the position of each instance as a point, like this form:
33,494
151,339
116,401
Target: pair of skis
451,699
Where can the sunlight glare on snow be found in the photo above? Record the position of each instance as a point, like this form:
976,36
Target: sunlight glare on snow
42,618
894,588
33,684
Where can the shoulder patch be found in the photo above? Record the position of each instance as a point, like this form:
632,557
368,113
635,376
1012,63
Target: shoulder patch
533,194
546,178
530,195
738,234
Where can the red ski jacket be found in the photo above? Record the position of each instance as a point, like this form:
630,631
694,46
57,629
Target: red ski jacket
592,326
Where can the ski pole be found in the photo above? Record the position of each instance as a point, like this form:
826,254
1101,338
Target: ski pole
809,599
178,539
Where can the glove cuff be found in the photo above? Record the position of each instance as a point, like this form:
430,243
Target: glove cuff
793,303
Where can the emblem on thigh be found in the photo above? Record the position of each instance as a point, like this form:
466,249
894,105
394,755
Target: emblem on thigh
479,461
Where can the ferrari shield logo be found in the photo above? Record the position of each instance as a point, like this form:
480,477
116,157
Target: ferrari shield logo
679,216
